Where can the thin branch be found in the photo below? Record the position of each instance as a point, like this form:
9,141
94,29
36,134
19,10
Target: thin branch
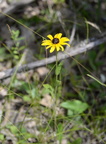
80,48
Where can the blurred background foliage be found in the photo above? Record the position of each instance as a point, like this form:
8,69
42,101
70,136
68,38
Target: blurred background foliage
30,109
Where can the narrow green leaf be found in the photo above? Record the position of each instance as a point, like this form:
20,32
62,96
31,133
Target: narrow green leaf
75,105
96,80
58,68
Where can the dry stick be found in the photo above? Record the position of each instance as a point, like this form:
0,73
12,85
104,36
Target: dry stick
72,52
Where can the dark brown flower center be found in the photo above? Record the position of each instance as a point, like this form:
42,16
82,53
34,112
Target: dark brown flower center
55,40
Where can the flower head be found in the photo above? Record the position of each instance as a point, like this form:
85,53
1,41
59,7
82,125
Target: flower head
56,42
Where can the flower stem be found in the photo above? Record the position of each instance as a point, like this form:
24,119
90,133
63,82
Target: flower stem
56,75
55,96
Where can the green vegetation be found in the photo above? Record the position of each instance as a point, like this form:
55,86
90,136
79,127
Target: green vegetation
59,103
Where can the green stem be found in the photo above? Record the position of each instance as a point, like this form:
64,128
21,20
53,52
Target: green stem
55,96
56,75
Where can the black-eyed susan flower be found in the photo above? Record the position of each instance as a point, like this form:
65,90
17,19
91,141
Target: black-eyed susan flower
56,42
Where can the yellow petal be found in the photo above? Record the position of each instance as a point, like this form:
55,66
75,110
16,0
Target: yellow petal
58,35
57,47
50,37
66,44
52,49
48,47
46,42
63,39
62,48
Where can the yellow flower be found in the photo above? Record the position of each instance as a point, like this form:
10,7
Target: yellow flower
56,42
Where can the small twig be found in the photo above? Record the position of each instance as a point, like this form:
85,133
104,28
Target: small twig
72,33
80,48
